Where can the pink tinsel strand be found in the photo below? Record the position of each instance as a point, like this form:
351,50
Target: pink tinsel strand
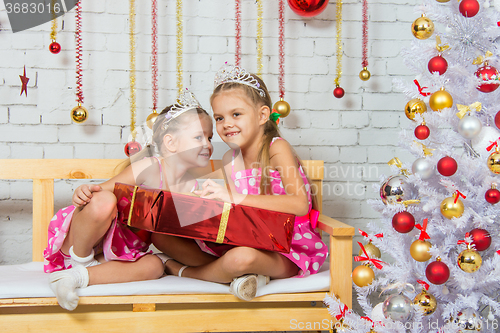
154,51
78,41
238,33
282,48
365,34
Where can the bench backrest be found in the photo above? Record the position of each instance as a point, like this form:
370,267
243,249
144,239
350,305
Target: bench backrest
44,171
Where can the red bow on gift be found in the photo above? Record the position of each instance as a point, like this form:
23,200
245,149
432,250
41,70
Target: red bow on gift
420,89
423,234
424,284
342,312
377,263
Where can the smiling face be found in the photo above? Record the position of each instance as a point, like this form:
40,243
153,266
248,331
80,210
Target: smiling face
238,121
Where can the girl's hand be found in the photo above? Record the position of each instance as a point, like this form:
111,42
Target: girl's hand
212,190
83,194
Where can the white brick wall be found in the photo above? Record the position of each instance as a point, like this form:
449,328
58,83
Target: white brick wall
355,135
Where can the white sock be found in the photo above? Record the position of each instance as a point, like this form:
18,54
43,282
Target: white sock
262,280
85,262
64,283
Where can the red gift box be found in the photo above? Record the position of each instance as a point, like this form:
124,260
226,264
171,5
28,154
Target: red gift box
209,220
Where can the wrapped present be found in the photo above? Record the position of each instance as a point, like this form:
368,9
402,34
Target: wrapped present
205,219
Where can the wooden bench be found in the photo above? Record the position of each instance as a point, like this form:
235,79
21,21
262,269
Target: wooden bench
165,313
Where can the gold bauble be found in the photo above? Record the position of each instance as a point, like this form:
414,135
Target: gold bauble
419,250
371,250
150,120
426,301
422,28
362,275
469,260
282,107
450,209
365,74
442,1
493,162
79,114
441,99
413,107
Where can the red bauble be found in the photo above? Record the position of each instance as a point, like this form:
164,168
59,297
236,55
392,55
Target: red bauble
488,75
497,119
481,239
55,47
422,132
132,148
437,272
492,196
403,222
307,8
469,8
447,166
338,92
438,64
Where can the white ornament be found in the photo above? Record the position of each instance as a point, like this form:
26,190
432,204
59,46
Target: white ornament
378,312
423,167
469,127
485,138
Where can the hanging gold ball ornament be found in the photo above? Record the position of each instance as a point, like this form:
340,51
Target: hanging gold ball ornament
469,260
150,120
371,250
422,28
413,107
450,208
282,107
363,275
443,1
427,302
365,74
419,250
493,162
441,99
79,114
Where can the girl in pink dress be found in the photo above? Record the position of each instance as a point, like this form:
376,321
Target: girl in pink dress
265,173
182,135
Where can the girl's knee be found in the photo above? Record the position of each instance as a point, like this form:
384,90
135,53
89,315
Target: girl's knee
102,204
151,267
240,260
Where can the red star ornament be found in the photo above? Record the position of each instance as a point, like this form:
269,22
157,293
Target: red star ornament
24,80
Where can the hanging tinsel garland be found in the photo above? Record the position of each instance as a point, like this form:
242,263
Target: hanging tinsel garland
282,107
237,54
338,91
154,62
259,37
365,74
179,46
79,113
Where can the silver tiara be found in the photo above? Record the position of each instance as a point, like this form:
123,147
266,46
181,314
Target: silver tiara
230,73
185,102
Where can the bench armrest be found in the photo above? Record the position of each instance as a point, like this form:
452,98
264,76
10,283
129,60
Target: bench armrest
334,227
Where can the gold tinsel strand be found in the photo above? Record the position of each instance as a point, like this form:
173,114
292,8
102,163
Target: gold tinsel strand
259,37
132,70
339,42
179,46
53,31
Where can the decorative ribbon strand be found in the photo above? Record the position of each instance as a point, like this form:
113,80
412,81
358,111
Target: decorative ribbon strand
179,46
281,80
364,63
237,54
133,108
79,52
53,30
259,37
154,52
339,42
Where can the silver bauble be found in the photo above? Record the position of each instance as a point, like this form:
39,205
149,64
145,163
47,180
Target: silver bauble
423,167
397,307
486,136
468,320
469,127
396,189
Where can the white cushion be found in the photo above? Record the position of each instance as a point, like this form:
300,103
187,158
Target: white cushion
29,280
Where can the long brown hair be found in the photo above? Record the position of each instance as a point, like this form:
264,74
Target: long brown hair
271,130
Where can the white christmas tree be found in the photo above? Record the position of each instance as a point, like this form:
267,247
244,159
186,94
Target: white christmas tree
440,227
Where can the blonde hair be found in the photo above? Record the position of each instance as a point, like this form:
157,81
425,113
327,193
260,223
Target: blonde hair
271,130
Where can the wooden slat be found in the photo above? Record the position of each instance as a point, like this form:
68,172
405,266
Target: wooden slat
341,268
334,227
43,210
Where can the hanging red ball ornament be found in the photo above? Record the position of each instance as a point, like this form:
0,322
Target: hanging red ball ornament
469,8
437,272
132,148
488,78
481,239
492,196
497,119
447,166
437,64
422,132
55,47
307,8
403,222
338,92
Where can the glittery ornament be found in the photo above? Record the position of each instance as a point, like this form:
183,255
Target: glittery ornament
468,320
427,302
371,250
487,78
413,107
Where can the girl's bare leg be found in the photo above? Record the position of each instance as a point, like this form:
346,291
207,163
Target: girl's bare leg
183,250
